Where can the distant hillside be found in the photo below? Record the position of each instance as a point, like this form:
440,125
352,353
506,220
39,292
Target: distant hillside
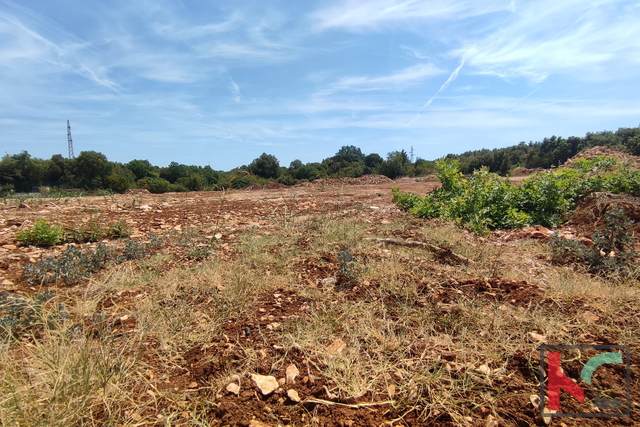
549,152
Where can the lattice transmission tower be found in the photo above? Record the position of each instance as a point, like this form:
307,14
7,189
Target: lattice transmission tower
70,141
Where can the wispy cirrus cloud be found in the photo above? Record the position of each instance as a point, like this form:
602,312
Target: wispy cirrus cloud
235,90
354,14
399,80
175,29
26,48
569,37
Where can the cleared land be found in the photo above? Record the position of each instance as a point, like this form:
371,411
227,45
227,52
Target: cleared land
234,284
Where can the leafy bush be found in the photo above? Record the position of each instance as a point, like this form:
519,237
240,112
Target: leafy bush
41,234
7,190
92,231
612,249
484,201
118,182
120,229
154,185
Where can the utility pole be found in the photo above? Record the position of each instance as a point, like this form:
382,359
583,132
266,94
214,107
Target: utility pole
412,154
70,141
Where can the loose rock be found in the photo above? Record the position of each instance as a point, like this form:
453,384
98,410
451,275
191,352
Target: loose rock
233,388
266,383
291,373
293,395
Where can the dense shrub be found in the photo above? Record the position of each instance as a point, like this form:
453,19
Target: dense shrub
485,201
154,185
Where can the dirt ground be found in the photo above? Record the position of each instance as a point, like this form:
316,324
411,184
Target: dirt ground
224,216
228,213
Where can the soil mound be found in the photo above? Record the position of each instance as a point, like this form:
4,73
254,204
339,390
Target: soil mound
363,180
520,171
270,186
590,211
631,161
137,191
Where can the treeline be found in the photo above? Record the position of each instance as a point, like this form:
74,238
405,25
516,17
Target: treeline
93,171
548,153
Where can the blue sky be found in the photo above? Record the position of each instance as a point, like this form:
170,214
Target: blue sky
219,83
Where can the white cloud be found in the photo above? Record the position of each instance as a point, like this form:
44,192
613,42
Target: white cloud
26,50
235,90
560,37
400,80
180,30
354,14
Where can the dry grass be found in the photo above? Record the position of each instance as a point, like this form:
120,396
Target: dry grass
410,339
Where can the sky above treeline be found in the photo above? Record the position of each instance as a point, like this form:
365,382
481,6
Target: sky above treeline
220,82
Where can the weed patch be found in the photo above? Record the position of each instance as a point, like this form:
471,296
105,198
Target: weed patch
612,249
41,234
74,265
19,314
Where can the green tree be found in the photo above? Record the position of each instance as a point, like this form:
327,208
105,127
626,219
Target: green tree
174,171
265,166
210,176
295,164
91,170
58,171
633,145
193,182
396,164
121,179
142,169
371,163
349,154
307,173
22,171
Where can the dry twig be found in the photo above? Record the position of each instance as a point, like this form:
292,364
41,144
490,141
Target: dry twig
440,252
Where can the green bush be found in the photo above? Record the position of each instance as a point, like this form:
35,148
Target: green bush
7,190
154,185
92,231
485,201
41,234
120,230
118,183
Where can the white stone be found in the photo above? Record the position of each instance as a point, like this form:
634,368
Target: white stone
266,383
293,395
291,373
233,388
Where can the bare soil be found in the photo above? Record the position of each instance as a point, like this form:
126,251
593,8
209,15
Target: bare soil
204,216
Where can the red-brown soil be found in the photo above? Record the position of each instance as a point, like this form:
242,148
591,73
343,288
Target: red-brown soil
227,215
